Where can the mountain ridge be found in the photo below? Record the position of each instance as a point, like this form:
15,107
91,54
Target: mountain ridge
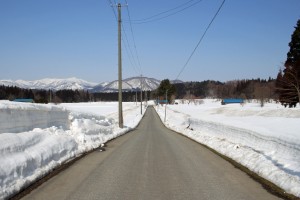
128,84
51,84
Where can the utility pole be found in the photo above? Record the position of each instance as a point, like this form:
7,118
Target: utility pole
141,96
120,67
166,105
146,97
135,96
50,98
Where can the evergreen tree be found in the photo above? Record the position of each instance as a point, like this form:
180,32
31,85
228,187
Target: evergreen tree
288,82
293,56
166,86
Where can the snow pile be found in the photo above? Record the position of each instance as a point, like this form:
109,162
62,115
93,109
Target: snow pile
264,139
19,117
34,138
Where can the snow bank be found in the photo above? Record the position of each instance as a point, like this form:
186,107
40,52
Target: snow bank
34,138
19,117
265,140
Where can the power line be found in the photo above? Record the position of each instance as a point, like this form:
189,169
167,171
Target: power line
120,27
129,58
188,60
126,42
139,63
130,51
111,5
149,19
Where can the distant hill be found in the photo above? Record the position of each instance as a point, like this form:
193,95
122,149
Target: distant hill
53,84
129,84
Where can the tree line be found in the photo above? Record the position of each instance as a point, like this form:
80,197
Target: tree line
128,96
44,96
247,89
66,96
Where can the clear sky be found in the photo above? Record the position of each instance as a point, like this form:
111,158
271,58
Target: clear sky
78,38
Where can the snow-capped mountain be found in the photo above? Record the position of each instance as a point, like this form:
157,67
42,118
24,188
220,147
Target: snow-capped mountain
129,84
53,84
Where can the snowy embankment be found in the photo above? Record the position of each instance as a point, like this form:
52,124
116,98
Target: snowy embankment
266,139
34,139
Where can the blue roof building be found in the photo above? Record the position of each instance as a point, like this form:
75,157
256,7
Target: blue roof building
24,100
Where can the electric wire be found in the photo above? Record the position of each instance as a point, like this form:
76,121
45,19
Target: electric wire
128,48
130,51
129,58
111,5
191,55
143,21
147,18
133,38
125,42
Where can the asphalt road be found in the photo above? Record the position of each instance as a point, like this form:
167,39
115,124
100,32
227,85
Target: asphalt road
154,163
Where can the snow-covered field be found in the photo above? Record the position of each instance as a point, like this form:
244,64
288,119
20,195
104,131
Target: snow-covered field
36,138
264,139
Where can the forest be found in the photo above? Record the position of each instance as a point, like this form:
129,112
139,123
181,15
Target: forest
246,89
65,96
44,96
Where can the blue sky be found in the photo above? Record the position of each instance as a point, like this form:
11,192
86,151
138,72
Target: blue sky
78,38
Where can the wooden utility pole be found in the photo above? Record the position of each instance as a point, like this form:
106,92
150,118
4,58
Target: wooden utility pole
141,95
135,96
146,97
50,96
120,67
166,106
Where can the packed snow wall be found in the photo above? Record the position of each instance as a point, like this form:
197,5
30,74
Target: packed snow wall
20,118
